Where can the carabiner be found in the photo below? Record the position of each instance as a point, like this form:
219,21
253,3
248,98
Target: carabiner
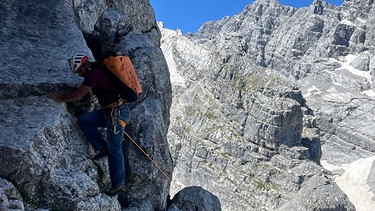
115,114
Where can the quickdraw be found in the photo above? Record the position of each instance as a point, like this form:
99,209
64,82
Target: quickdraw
115,114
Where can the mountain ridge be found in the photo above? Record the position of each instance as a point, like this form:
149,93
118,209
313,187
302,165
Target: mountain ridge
329,57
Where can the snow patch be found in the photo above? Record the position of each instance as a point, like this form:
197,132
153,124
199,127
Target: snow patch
176,78
369,93
353,182
346,65
348,22
364,74
313,90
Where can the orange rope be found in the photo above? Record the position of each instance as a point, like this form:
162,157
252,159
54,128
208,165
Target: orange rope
157,166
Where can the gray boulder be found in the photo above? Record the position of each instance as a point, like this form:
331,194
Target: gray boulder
10,198
43,153
195,198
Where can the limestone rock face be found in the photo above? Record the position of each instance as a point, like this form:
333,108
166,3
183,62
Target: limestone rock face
261,98
240,131
42,152
10,197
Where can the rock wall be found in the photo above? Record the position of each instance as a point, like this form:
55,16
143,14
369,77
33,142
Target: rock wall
42,152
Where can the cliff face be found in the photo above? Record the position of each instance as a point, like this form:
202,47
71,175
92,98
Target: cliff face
257,94
254,98
44,159
244,133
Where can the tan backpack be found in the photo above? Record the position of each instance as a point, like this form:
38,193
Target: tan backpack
122,68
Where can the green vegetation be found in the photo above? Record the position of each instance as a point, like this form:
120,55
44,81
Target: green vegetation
192,67
231,181
239,105
264,186
209,116
100,171
236,135
187,128
191,111
26,197
196,111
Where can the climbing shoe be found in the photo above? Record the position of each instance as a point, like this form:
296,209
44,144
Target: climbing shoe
102,153
116,191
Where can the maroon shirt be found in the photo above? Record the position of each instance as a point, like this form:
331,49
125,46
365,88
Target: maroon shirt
101,86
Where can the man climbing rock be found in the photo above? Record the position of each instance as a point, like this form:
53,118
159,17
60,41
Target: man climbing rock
113,115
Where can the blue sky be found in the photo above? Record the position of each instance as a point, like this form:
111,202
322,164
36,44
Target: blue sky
190,15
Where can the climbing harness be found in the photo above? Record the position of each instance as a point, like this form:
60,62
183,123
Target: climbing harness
115,114
157,166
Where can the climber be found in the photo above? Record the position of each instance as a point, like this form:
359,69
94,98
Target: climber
318,9
114,114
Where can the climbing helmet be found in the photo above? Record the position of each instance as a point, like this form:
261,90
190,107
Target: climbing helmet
77,60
